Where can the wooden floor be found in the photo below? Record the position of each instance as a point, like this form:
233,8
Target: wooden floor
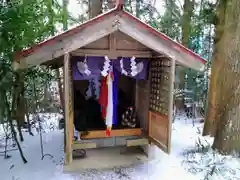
114,132
106,158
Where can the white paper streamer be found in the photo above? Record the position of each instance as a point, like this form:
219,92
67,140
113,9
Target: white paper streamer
123,71
106,67
77,134
83,67
97,86
140,66
133,67
136,68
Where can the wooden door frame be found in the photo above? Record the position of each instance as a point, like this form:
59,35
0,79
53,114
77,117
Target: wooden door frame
171,100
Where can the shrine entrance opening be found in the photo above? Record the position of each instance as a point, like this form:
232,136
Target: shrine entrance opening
92,99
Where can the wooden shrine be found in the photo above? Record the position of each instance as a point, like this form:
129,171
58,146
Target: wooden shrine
117,33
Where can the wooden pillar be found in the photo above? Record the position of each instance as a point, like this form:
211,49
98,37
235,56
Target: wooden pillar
68,113
171,95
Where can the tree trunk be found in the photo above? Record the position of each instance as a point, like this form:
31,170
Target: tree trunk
47,98
60,89
169,14
15,91
28,119
188,8
20,111
65,15
65,27
95,8
138,6
211,119
227,138
111,4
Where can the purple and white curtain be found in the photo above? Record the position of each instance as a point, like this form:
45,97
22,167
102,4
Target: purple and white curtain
87,68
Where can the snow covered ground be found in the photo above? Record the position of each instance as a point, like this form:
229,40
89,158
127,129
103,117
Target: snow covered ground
191,158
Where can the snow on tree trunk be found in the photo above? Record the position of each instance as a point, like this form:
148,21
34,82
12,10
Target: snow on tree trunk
227,138
210,124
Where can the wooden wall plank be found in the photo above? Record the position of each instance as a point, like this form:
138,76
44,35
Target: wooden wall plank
158,129
125,42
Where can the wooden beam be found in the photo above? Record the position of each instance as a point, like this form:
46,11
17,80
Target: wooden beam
114,132
112,42
112,46
170,108
67,110
118,53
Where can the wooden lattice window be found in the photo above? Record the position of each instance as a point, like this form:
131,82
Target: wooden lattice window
159,91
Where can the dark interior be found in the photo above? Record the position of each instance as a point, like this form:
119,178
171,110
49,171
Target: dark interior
87,111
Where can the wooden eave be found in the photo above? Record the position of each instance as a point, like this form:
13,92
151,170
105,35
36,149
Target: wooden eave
103,25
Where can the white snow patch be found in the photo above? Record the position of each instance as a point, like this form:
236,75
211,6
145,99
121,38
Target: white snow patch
187,161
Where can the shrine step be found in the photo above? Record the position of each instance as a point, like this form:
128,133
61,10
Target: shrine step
105,158
137,142
83,145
